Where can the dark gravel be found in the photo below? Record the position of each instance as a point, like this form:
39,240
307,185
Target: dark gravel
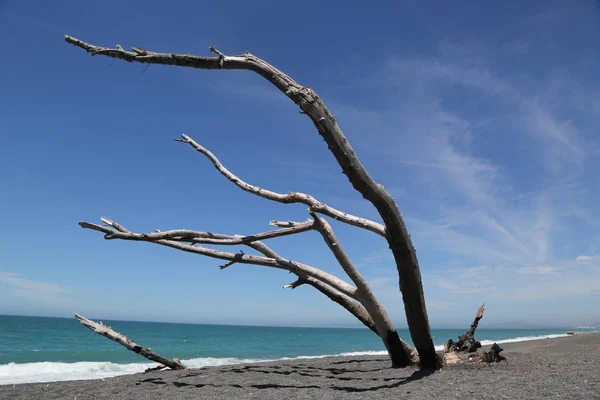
564,368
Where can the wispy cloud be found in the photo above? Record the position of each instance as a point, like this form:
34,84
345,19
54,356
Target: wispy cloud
493,164
560,139
42,291
595,259
16,281
575,277
541,270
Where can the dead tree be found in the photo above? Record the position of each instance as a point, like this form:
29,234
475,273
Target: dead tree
123,340
393,228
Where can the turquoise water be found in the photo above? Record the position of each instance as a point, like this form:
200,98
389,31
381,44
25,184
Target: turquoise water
34,349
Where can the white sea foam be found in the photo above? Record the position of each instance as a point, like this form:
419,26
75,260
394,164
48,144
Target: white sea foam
514,340
59,371
524,339
53,371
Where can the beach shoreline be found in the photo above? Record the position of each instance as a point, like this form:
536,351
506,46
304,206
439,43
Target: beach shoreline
565,367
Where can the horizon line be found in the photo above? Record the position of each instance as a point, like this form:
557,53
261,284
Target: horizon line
308,326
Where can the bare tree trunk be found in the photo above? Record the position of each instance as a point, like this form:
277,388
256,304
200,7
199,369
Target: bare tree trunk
123,340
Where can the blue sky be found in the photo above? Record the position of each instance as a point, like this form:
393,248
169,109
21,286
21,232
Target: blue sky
481,119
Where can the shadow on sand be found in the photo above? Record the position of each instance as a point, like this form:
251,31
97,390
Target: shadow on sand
330,378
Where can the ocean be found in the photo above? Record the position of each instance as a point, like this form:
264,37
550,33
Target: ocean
37,349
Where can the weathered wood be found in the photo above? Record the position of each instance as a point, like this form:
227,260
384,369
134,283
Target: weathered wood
287,198
395,230
493,355
466,348
467,342
123,340
383,323
288,265
320,280
205,238
158,368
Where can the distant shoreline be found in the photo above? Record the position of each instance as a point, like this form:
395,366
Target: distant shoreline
536,369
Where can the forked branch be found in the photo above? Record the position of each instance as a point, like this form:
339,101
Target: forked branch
320,280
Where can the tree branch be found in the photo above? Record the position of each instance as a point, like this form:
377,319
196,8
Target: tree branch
323,227
333,294
366,297
295,284
123,340
207,238
279,263
357,310
349,304
291,197
245,61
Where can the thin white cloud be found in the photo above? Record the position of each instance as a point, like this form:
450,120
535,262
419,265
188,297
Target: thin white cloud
516,211
42,293
560,138
589,259
15,281
535,282
541,270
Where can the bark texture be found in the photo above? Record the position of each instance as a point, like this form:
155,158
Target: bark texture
394,229
123,340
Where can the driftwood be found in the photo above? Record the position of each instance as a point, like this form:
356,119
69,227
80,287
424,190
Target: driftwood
453,351
466,342
493,355
393,230
123,340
